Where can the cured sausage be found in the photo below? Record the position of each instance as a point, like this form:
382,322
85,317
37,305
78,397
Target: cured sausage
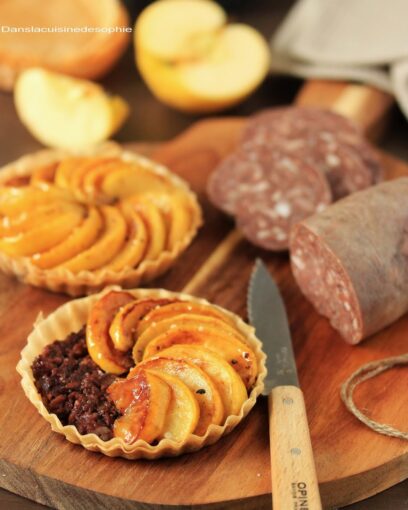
289,191
326,140
351,260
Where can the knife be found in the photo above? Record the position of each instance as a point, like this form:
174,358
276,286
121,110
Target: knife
294,480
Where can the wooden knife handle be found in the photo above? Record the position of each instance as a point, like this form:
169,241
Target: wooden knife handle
294,481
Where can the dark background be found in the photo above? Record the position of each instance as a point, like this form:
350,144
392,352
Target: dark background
152,121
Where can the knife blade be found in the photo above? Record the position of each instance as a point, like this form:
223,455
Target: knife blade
263,298
293,473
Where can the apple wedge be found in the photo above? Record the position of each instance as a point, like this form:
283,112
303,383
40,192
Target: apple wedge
98,341
64,112
185,322
238,355
105,248
123,327
183,412
144,401
180,308
80,239
228,382
204,390
45,235
192,60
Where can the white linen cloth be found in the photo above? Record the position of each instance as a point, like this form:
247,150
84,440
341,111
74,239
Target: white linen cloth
359,40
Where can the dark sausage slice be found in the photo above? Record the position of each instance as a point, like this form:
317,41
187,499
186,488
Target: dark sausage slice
351,260
289,191
230,180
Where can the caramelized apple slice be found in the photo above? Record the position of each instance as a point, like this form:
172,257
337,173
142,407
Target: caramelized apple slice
207,395
188,321
106,246
98,341
65,170
44,236
19,200
154,222
229,384
92,181
183,412
44,174
136,244
178,308
132,180
144,401
237,354
80,239
123,327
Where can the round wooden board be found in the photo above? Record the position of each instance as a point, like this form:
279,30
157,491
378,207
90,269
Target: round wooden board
352,461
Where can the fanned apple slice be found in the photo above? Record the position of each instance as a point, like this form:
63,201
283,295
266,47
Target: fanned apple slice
154,222
228,382
65,170
179,29
178,308
44,174
183,412
98,341
80,239
92,181
65,112
132,180
190,322
105,248
46,235
123,327
204,390
135,245
23,222
144,401
19,200
237,354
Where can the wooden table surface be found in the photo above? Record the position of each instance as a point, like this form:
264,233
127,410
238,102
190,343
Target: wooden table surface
151,121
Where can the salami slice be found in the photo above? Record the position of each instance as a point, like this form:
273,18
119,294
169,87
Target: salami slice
288,191
328,141
351,260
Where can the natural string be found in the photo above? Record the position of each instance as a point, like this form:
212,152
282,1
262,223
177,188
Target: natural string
362,374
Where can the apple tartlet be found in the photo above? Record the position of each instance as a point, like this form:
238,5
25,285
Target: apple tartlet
142,373
75,224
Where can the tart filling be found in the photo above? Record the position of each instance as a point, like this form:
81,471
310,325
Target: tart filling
194,387
78,223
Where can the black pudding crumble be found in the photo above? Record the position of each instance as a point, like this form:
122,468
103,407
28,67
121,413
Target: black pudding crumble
73,387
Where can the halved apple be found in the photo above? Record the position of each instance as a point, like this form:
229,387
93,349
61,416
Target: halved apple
192,60
98,341
237,354
144,401
105,248
154,222
228,382
80,239
204,390
65,112
178,308
44,236
136,243
183,412
185,322
123,327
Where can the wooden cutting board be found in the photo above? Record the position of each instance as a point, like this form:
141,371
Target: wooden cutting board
352,461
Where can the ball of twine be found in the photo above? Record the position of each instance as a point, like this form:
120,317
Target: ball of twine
365,372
